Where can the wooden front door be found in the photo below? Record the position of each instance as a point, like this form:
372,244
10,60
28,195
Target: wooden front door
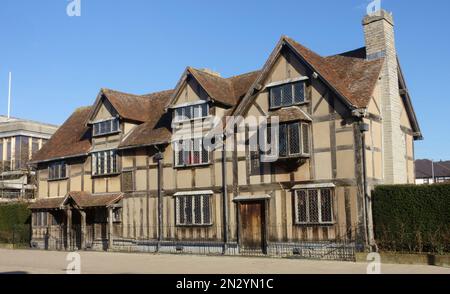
252,226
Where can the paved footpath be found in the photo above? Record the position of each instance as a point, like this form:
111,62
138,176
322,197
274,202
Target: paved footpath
47,262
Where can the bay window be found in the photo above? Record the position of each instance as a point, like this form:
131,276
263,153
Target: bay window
293,139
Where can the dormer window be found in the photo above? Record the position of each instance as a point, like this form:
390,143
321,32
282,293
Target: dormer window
191,112
105,127
287,94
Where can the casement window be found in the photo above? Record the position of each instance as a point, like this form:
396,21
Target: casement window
190,152
104,163
193,210
106,127
191,112
57,171
293,139
314,206
287,94
40,219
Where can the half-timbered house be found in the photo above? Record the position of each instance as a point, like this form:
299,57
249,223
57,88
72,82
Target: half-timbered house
133,172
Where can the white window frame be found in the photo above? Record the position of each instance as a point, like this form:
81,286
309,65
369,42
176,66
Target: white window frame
192,109
57,166
110,156
184,197
190,142
111,121
319,206
292,84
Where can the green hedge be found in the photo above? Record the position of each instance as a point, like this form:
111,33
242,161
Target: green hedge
412,218
15,223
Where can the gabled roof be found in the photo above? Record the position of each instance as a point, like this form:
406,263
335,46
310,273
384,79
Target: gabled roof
80,198
349,74
129,106
86,200
70,140
227,91
155,131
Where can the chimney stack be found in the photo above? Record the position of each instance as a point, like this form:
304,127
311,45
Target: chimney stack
380,43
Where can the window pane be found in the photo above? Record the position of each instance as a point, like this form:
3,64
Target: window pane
206,210
286,95
114,161
301,206
326,205
181,210
305,138
189,218
275,96
299,92
205,109
63,170
294,139
205,154
108,160
196,153
188,112
313,206
115,125
198,209
282,144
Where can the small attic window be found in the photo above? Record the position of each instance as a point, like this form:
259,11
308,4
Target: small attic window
106,127
190,112
287,94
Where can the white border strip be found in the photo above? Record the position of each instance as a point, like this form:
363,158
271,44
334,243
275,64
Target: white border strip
190,193
314,186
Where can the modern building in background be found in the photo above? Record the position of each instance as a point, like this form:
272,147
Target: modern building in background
429,172
19,140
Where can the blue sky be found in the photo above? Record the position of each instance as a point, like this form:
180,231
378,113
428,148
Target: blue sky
59,63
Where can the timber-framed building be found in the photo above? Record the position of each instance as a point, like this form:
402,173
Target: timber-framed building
122,173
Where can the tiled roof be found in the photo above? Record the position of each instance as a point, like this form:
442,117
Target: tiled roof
225,90
349,73
424,169
133,107
157,129
293,113
47,203
71,139
86,199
